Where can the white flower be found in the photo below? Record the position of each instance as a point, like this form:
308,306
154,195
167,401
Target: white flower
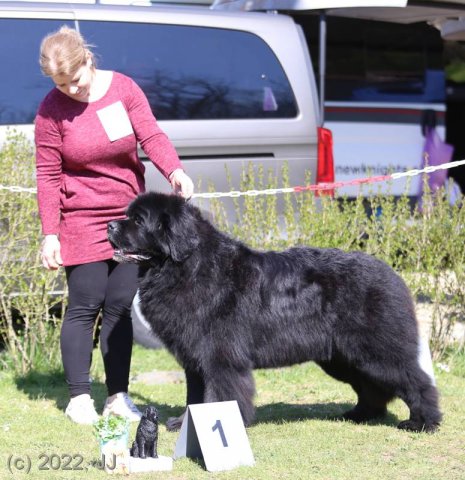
444,367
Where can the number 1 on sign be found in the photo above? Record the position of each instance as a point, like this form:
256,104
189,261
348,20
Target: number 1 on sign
219,427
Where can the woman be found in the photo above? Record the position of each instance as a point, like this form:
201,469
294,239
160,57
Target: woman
86,134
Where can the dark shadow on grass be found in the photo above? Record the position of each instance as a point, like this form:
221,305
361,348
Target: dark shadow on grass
276,413
52,385
285,412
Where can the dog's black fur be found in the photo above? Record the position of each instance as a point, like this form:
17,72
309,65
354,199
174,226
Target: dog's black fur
223,309
145,443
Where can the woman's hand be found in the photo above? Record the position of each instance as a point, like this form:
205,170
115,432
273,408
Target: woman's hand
51,256
181,183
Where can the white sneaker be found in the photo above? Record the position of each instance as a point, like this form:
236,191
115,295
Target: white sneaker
121,404
81,410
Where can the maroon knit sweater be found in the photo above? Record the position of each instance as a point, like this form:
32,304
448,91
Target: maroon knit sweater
84,180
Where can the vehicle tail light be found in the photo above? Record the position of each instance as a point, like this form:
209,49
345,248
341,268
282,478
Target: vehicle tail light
325,167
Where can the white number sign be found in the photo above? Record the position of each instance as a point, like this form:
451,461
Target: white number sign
216,433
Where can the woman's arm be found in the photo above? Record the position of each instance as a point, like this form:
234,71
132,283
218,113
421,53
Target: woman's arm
48,173
48,143
155,143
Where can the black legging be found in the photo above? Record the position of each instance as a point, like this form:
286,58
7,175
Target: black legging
109,286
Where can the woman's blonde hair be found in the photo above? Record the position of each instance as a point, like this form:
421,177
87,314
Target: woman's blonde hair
64,52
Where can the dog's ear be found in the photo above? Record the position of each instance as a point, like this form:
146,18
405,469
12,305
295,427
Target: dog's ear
182,235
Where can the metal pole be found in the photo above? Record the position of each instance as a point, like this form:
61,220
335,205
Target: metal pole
322,66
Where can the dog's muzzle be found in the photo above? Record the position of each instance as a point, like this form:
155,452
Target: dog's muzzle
123,255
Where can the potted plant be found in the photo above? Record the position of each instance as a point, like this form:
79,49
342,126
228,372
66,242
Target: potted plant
112,432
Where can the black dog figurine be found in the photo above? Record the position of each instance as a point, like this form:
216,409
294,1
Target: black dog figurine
145,444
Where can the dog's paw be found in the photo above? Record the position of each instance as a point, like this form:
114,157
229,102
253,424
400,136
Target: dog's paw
173,424
416,426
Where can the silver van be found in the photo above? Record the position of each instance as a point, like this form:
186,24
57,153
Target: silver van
227,88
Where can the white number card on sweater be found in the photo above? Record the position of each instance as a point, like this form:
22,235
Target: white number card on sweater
115,121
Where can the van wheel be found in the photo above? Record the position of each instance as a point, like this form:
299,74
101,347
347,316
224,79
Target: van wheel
143,334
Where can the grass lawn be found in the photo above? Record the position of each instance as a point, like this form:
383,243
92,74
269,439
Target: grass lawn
294,436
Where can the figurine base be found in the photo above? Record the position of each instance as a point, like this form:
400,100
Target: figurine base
159,464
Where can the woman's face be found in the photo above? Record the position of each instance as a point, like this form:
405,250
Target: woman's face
78,85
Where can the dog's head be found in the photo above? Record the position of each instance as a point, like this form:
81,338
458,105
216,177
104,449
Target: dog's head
151,414
157,226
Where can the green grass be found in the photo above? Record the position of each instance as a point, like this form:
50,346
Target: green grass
294,437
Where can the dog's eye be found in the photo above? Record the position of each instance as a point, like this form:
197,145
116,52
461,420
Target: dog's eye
138,220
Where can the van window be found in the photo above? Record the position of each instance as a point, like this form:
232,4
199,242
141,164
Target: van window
23,86
379,61
195,72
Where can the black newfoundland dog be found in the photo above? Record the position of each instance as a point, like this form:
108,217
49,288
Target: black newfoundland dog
223,309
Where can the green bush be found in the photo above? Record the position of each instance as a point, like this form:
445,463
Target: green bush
28,329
